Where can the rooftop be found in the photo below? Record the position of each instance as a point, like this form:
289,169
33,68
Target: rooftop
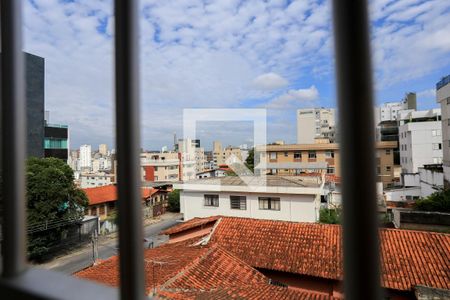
270,180
186,271
108,193
409,258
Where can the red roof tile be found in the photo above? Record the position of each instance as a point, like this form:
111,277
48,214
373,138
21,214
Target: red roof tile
108,193
409,258
192,223
181,271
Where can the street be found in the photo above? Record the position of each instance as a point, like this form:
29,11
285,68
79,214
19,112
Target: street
107,247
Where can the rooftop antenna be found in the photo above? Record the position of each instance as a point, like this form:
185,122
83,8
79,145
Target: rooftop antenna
175,141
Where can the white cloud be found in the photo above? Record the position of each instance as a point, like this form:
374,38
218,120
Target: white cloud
269,81
197,53
430,93
295,98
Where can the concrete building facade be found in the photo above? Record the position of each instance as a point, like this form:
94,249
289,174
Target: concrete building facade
324,158
443,97
85,157
314,123
276,199
420,139
158,166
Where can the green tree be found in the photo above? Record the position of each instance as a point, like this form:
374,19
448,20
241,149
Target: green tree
54,203
250,160
329,216
174,201
438,201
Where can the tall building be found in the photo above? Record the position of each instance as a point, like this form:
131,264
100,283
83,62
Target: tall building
34,85
387,120
103,149
420,139
56,142
443,97
315,123
85,157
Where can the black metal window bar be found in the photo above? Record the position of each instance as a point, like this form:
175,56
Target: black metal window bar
353,72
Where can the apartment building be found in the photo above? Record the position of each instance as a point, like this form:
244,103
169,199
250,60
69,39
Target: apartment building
103,149
315,123
321,157
221,155
85,157
443,97
158,166
420,134
90,180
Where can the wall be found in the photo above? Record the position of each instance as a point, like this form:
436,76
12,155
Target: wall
401,194
430,181
300,208
441,95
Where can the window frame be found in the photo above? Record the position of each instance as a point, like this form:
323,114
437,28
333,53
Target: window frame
211,200
242,202
269,203
312,152
353,64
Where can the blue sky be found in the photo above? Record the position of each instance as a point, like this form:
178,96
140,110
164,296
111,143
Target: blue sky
276,55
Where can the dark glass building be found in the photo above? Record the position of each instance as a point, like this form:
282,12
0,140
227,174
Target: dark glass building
35,81
56,141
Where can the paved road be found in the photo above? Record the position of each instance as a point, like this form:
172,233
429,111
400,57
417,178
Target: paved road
107,247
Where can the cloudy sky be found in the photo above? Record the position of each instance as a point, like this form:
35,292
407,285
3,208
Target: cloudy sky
276,55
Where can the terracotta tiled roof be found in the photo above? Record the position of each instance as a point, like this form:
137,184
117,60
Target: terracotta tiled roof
183,271
192,223
164,262
108,193
409,258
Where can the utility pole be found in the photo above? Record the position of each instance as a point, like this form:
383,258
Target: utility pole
94,241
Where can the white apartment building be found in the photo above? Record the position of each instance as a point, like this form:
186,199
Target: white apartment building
85,157
89,180
420,139
388,111
277,198
443,97
315,123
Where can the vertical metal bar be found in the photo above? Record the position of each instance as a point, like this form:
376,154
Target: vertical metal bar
128,147
354,89
14,139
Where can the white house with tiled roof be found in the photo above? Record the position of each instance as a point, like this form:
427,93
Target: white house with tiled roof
267,197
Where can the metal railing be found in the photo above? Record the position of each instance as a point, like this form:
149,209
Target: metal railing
356,116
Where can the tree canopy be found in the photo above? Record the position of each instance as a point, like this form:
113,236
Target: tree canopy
174,201
438,201
53,199
250,160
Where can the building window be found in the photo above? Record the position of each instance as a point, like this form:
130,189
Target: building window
378,170
238,202
388,151
329,154
437,146
273,155
388,168
448,122
269,203
297,155
330,170
286,154
212,200
312,155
